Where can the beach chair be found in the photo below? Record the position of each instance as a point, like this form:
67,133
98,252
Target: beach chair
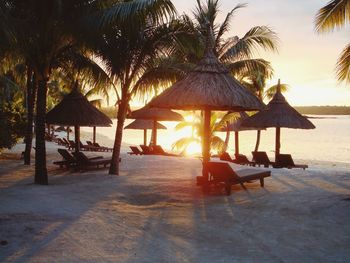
102,148
222,173
243,160
157,149
261,158
224,156
69,160
134,150
146,149
286,161
84,162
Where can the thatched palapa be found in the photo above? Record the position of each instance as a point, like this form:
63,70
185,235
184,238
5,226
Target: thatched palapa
279,114
208,87
75,110
144,125
155,114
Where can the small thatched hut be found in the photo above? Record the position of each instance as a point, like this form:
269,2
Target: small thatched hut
279,114
155,114
75,110
144,125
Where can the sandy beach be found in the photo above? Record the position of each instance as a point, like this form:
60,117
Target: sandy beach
154,212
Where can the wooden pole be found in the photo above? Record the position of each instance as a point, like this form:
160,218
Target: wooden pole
68,128
77,138
145,137
206,145
94,134
236,143
278,142
154,132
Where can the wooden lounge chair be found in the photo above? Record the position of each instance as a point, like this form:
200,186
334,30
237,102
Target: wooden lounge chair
222,173
243,160
69,160
286,161
157,149
146,149
84,162
224,156
261,158
134,150
102,148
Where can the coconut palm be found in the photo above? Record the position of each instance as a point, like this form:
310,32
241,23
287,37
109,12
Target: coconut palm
335,15
42,31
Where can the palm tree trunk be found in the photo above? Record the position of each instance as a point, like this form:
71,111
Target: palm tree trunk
227,138
40,151
114,169
257,140
31,94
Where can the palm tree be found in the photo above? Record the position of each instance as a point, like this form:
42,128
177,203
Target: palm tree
332,16
43,31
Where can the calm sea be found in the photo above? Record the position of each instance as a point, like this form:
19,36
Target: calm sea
329,142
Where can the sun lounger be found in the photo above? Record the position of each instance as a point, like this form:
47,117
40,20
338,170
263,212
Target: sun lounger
69,160
261,158
157,149
146,149
84,162
224,156
135,150
102,148
286,161
222,173
239,159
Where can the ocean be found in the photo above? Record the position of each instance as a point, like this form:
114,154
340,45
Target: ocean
329,142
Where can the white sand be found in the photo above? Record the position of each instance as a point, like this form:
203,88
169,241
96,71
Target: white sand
154,212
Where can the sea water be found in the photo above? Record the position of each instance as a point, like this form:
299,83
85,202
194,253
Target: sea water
329,142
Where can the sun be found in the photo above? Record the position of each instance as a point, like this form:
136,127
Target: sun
193,148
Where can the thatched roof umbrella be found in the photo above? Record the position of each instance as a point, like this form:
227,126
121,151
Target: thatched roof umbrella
75,110
236,127
278,113
155,114
208,87
144,125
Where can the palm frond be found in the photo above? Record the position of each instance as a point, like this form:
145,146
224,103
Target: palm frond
343,65
183,143
217,144
246,67
333,16
270,92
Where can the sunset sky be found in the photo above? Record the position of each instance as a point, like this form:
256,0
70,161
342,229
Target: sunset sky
306,60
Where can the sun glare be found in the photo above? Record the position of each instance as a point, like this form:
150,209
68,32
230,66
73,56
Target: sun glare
193,148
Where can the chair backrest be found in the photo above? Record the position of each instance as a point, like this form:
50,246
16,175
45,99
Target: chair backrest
220,171
225,157
97,145
241,158
145,149
89,143
81,157
284,160
261,157
66,155
158,149
135,150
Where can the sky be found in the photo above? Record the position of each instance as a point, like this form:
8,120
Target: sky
305,60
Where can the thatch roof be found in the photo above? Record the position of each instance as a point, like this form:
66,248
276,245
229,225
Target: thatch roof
147,113
236,126
278,113
208,86
144,125
74,110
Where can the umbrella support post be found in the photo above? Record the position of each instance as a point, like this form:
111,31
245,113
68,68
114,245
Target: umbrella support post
154,132
206,147
68,128
236,143
77,138
94,134
145,137
278,142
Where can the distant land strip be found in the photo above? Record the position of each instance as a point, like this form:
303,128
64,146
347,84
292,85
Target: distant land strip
307,110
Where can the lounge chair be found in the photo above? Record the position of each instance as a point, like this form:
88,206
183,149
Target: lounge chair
222,173
157,149
134,150
69,160
243,160
102,148
146,149
261,158
286,161
224,156
84,162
